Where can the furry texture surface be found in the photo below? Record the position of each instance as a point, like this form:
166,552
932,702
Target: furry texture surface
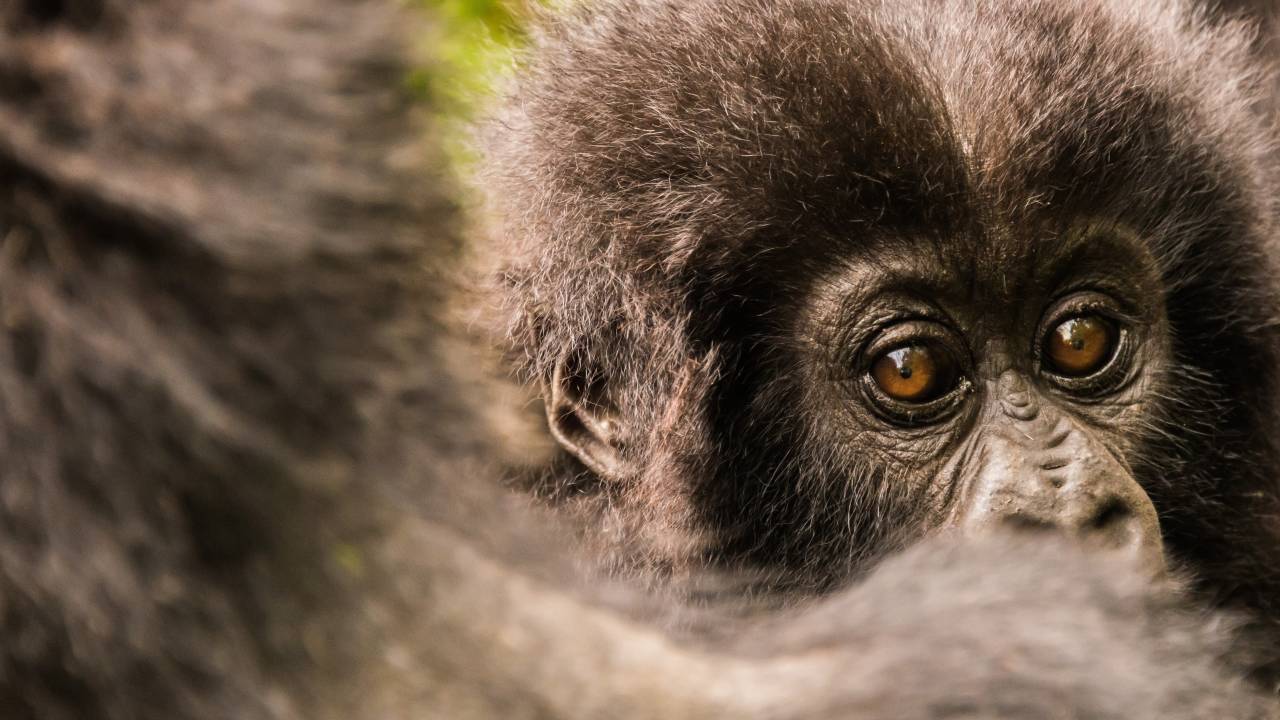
210,220
245,477
665,172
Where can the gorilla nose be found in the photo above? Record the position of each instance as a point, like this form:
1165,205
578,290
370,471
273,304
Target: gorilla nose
1073,487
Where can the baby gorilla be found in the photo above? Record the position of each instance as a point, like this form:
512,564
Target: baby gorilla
802,282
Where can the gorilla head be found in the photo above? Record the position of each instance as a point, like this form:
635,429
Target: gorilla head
803,281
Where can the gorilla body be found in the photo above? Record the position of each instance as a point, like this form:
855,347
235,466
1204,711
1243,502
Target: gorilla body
731,231
227,490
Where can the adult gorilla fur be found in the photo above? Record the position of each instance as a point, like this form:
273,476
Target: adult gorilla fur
240,473
659,167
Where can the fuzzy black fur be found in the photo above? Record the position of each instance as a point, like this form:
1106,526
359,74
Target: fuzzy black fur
198,315
243,474
669,174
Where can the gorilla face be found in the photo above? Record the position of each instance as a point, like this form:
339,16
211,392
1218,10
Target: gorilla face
998,382
982,381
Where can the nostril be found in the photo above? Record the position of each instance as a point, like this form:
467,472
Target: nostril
1125,524
1113,513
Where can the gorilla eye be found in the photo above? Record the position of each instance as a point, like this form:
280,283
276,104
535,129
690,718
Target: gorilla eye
914,373
1080,345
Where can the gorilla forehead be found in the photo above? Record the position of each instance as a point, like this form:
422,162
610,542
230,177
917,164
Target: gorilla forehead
974,286
836,118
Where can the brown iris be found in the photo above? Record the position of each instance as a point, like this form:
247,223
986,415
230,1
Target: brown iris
913,373
1080,346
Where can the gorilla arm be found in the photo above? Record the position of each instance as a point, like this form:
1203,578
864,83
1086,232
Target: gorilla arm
943,631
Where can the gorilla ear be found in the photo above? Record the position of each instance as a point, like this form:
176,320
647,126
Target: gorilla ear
584,417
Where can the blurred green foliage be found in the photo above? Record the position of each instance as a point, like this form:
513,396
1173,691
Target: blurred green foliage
471,43
470,46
